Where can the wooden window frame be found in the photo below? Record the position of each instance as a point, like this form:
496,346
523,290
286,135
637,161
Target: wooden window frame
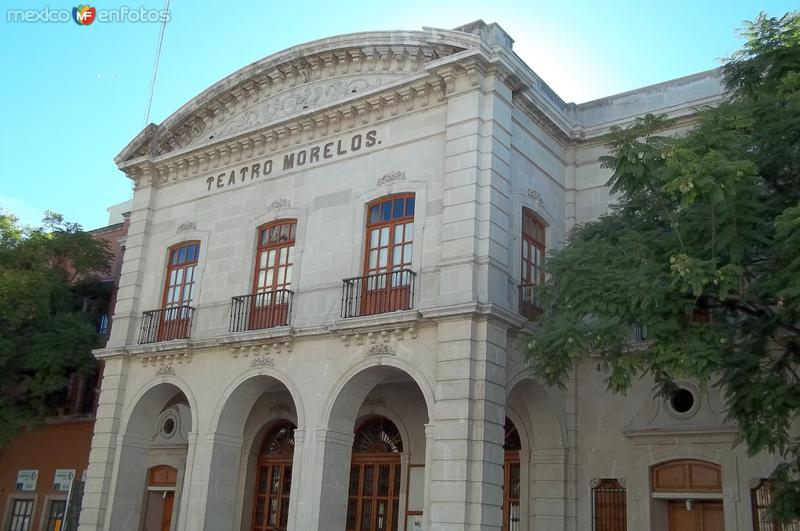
531,240
268,246
175,318
268,462
391,223
184,265
394,481
269,304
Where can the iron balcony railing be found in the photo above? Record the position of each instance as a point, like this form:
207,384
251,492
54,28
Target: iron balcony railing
261,310
166,324
378,293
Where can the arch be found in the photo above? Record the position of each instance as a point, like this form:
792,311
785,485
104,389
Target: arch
138,430
349,392
231,479
241,386
148,398
532,404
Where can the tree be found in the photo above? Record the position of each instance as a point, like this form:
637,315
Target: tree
46,275
703,247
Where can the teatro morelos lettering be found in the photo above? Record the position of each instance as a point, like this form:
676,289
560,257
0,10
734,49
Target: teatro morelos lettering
295,159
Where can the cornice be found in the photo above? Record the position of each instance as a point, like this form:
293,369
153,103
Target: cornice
422,90
325,59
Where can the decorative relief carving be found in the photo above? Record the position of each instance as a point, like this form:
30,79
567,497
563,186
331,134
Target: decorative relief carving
375,400
166,370
279,204
186,226
295,101
381,349
536,196
390,177
262,361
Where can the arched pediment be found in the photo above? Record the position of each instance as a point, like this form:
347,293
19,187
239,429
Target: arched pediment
295,81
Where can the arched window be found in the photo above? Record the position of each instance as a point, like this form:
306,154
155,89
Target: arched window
274,479
179,291
388,254
272,279
373,497
532,266
511,478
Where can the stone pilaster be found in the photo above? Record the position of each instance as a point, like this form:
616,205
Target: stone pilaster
467,460
127,311
103,454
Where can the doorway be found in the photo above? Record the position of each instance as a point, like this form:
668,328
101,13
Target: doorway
374,492
274,479
160,498
691,492
692,515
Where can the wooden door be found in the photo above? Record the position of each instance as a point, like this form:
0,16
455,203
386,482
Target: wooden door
703,516
374,493
166,512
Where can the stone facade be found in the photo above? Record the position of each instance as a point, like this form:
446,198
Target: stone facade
314,134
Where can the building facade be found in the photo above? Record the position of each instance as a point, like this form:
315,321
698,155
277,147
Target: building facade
322,311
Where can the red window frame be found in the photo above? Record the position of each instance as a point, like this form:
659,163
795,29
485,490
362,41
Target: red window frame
177,297
273,273
388,251
533,248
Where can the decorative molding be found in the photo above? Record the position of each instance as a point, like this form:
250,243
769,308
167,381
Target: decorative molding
381,349
375,400
390,177
262,349
536,196
166,357
166,370
186,226
294,101
279,204
262,361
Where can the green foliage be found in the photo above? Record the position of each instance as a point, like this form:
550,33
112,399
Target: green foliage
703,248
45,336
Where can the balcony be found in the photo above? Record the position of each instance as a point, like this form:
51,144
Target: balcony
166,324
378,293
261,310
530,303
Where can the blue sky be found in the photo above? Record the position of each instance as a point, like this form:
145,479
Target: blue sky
74,96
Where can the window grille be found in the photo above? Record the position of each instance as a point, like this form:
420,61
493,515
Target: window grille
608,505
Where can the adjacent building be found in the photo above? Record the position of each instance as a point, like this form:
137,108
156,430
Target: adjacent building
41,470
323,306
